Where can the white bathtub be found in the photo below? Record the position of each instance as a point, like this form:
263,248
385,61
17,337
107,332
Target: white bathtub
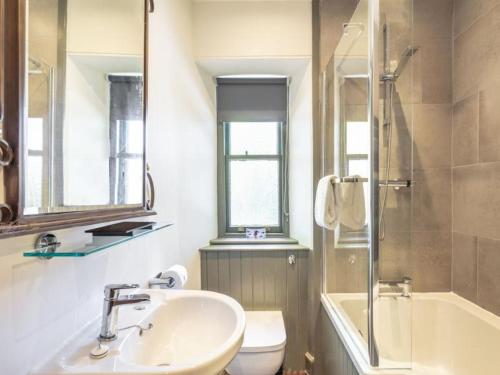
431,334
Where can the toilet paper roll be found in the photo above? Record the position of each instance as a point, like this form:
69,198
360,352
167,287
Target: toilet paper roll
178,273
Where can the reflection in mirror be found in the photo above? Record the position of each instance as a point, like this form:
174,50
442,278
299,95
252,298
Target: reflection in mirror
84,132
349,74
354,146
2,188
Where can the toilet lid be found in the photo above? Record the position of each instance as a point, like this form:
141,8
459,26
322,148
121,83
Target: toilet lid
264,332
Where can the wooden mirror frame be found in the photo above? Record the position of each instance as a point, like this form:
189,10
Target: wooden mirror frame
12,101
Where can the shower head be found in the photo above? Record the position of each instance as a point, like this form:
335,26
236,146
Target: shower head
405,57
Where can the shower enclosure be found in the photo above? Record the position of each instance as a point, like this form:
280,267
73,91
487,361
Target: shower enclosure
368,97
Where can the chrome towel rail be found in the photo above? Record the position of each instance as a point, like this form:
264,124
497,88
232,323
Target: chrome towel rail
397,183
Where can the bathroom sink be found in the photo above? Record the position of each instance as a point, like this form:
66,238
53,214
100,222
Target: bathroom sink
193,332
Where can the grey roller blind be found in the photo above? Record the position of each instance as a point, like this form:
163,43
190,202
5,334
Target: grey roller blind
249,99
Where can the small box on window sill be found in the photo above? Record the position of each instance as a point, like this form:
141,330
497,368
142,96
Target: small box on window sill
255,233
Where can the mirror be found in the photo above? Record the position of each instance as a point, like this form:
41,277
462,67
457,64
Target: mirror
84,126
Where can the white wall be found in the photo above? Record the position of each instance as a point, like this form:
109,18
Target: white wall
273,37
301,159
252,28
93,27
182,132
44,302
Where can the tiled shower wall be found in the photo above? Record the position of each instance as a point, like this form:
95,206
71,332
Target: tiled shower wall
445,234
418,220
418,241
476,152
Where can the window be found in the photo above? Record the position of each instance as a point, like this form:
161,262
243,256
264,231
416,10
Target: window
252,156
35,163
126,161
253,175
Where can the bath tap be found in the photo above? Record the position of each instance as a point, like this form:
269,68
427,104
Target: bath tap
112,300
405,285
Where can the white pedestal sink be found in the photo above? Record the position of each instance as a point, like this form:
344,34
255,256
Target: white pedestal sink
193,333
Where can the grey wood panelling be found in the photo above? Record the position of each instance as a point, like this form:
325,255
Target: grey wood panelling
331,357
264,280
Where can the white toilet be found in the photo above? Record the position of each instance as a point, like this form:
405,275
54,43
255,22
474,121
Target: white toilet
263,348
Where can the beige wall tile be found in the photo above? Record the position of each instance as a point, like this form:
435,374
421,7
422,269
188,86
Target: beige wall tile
395,255
490,44
476,201
431,203
432,19
488,275
464,266
467,62
476,60
489,124
467,12
431,261
465,186
397,16
435,70
333,14
432,136
402,133
356,91
465,131
348,270
397,214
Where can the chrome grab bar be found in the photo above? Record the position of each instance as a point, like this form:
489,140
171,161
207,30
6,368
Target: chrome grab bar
396,183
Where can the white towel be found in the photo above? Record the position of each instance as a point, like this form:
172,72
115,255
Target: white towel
353,205
328,204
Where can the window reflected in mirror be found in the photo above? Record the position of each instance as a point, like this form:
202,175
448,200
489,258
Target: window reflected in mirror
354,147
84,131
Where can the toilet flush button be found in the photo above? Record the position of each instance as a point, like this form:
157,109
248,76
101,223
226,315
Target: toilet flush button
291,259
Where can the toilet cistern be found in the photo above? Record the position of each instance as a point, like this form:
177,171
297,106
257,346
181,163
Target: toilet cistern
112,300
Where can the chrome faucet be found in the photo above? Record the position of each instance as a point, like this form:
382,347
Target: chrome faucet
112,300
405,285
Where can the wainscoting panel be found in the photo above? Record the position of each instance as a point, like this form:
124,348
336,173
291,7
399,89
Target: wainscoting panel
331,357
264,280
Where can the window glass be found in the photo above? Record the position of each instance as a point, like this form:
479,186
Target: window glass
253,138
33,183
357,138
358,167
35,134
254,193
134,137
132,173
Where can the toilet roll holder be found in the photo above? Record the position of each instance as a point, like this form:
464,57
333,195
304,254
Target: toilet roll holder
166,283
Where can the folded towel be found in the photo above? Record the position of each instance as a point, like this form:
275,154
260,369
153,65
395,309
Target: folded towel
328,204
353,205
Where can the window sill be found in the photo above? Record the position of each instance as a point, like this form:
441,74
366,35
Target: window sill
243,244
247,241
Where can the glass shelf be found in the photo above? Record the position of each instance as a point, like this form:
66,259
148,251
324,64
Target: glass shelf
98,243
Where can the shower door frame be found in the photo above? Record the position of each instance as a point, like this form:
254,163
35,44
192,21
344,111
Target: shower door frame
373,108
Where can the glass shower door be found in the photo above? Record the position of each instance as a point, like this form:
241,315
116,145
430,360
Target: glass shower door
392,95
367,122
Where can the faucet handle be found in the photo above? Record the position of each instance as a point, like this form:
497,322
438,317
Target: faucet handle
112,290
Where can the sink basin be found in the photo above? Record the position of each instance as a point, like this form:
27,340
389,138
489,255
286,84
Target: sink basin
193,333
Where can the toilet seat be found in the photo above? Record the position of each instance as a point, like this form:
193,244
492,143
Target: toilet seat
263,348
264,332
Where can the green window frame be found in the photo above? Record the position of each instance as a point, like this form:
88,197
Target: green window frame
224,181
